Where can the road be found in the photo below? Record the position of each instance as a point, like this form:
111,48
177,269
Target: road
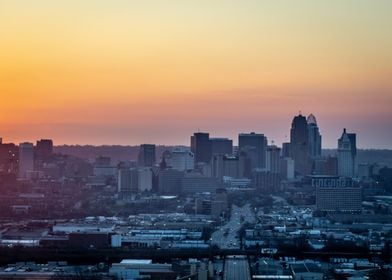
236,267
226,236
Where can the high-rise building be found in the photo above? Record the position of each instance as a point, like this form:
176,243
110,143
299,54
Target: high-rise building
144,179
201,147
347,154
169,181
226,165
273,158
286,149
127,180
255,146
266,181
44,148
221,146
179,158
147,156
26,159
286,169
299,145
314,137
331,166
9,157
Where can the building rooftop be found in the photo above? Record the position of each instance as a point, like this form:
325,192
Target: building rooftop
136,261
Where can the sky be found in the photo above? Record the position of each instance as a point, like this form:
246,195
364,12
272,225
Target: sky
131,72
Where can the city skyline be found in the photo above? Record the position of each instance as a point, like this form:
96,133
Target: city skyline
126,72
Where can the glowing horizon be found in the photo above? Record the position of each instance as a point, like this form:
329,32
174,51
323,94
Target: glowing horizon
129,72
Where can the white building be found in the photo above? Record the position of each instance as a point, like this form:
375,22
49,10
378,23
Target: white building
347,152
136,269
26,159
273,158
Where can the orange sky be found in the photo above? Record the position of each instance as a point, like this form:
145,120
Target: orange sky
126,72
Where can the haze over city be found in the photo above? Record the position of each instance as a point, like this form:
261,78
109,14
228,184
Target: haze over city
130,72
195,139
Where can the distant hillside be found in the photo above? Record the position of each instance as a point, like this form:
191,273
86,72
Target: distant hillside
123,153
116,153
382,157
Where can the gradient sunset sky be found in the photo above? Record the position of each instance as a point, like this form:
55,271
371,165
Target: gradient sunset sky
130,72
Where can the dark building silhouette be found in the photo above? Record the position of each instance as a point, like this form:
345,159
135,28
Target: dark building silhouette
169,181
266,181
254,145
221,146
26,159
9,155
201,147
299,145
227,165
286,150
44,148
331,166
147,157
314,137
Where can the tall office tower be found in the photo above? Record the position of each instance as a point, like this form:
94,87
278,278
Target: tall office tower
314,137
179,158
273,158
287,168
26,159
127,180
44,148
144,179
299,145
255,146
347,153
147,156
226,165
9,157
169,181
286,150
201,147
221,146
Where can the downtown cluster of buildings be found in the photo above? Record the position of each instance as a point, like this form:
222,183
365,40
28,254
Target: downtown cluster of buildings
213,163
211,195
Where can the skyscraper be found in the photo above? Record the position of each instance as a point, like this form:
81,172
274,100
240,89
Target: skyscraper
347,153
255,146
314,137
127,180
26,159
147,156
44,148
273,159
201,147
299,145
179,158
221,146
